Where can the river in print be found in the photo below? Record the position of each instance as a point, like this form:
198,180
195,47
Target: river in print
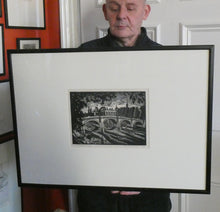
109,118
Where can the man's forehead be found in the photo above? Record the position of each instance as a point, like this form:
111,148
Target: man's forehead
126,1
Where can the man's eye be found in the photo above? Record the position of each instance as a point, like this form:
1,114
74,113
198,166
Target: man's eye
131,8
114,9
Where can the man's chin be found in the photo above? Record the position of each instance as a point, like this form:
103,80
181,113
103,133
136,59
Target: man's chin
121,34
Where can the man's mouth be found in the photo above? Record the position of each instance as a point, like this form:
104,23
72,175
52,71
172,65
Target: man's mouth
121,26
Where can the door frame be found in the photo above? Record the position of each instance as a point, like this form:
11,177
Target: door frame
70,30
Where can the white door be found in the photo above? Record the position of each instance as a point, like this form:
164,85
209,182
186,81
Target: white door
171,22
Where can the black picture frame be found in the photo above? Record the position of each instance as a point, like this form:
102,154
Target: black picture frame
19,20
0,9
2,51
28,43
6,123
179,124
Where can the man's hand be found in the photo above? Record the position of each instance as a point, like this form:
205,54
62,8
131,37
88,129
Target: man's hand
126,193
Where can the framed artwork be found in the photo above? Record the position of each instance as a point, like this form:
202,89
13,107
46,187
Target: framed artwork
2,51
142,112
109,118
3,185
28,43
9,189
25,14
6,123
0,9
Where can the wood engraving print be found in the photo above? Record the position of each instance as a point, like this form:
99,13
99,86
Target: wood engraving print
109,118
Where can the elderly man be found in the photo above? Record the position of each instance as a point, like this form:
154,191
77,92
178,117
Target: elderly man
125,19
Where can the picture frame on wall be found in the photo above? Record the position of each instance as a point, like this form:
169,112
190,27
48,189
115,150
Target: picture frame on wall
6,123
2,51
28,43
0,8
90,115
25,14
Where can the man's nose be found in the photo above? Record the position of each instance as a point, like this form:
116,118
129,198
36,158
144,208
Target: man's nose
122,13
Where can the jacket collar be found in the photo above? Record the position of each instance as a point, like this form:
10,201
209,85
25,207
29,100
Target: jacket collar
139,42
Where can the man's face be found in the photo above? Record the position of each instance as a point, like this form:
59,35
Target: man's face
125,17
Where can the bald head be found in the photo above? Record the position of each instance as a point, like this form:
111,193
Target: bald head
144,1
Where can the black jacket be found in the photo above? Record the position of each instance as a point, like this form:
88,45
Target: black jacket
109,41
101,200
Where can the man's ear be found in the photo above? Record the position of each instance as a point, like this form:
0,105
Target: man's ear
104,11
147,10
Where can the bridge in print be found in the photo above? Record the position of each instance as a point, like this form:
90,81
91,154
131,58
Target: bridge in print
110,122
